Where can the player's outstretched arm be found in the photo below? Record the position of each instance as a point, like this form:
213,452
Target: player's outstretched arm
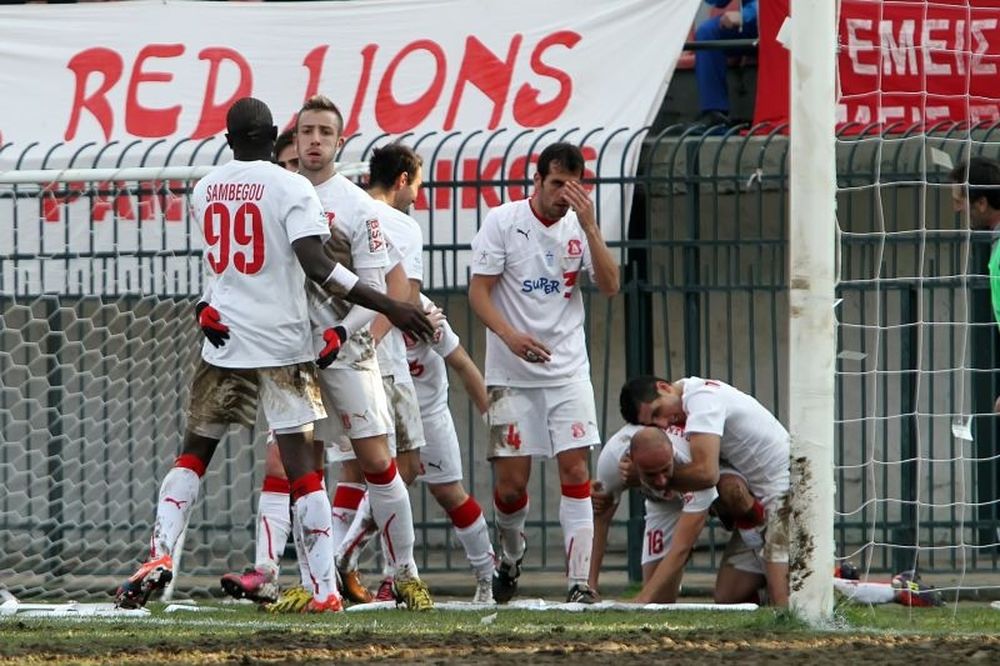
703,470
663,586
475,386
341,282
605,506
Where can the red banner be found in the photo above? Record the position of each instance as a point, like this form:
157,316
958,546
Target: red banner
900,63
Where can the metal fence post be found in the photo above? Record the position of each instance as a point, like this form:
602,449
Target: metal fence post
638,352
692,263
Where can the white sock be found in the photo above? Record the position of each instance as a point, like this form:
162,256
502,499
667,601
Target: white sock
348,499
510,524
178,493
313,513
391,508
475,539
359,534
576,516
274,524
305,575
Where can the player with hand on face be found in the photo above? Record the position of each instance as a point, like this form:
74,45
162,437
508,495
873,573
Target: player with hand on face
265,232
526,261
722,422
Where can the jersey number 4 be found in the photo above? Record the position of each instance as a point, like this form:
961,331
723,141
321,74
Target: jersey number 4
244,229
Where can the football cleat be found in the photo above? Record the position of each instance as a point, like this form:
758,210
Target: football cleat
581,594
484,591
292,600
385,592
251,584
911,591
333,604
505,581
152,576
353,587
413,593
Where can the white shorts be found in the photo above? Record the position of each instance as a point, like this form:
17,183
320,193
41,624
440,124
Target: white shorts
441,458
288,395
542,422
406,432
357,408
741,556
661,519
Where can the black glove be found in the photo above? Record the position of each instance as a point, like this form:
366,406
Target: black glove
334,338
211,324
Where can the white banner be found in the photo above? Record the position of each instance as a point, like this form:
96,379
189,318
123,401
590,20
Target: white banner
480,87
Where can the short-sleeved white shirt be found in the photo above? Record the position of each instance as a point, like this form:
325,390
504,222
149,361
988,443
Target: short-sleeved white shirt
250,212
391,349
428,368
356,241
753,442
537,293
616,448
405,234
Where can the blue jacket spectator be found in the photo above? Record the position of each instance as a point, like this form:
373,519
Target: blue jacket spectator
710,64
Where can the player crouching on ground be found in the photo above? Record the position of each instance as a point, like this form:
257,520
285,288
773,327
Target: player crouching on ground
645,457
722,422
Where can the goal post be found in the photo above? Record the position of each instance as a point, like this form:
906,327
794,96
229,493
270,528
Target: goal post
811,322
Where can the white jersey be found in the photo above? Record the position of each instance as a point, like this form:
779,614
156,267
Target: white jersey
753,442
392,349
618,445
250,214
356,242
404,232
428,368
537,293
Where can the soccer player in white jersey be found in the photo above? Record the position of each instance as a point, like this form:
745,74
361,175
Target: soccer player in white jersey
395,175
721,421
264,232
441,458
351,387
526,261
673,519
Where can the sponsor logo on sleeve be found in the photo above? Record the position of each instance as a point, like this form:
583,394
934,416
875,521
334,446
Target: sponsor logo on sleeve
376,242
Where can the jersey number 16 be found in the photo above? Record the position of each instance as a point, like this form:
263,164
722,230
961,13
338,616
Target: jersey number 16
245,228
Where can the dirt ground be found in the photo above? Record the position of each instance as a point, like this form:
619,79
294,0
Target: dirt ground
635,647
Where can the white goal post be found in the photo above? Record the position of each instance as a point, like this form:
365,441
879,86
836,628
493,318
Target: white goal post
811,322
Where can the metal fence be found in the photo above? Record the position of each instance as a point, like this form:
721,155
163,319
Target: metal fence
94,383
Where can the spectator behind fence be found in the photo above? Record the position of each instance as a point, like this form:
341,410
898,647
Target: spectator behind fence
738,21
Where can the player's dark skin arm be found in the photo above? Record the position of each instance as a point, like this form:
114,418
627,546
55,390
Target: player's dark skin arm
317,265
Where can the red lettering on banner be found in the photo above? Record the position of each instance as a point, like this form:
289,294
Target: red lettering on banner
528,111
489,194
112,197
901,64
397,117
483,69
213,114
141,120
93,61
313,62
353,121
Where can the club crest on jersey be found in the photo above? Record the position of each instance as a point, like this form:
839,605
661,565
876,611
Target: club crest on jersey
375,241
542,284
330,217
578,430
574,248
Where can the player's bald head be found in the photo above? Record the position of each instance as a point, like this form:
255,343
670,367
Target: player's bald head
651,450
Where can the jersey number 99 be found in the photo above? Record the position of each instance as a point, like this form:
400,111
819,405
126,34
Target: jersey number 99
222,232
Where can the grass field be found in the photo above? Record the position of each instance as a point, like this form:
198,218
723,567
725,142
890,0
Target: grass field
242,635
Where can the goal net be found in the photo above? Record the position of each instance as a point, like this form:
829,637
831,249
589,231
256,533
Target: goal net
916,442
101,269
